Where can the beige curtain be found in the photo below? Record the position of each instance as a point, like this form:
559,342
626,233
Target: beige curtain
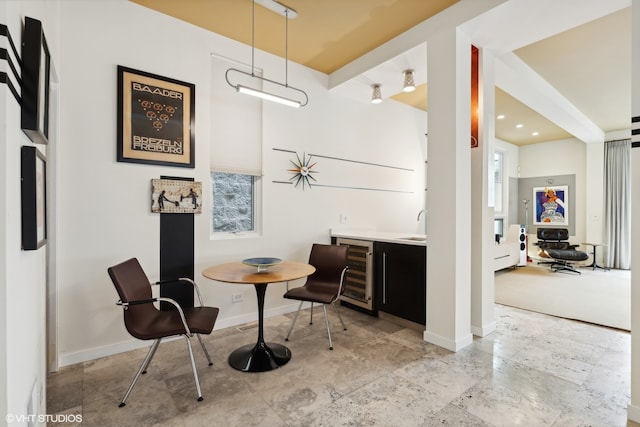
617,204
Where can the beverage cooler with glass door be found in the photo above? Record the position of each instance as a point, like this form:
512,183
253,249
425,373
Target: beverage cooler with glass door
358,281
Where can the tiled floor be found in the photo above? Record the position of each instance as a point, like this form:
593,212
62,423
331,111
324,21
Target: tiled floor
535,370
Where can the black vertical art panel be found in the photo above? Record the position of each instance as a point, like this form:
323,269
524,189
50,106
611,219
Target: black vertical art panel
176,255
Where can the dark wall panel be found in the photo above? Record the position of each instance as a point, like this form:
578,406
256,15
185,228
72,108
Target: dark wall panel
176,255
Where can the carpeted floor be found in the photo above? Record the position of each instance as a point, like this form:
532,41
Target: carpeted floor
600,297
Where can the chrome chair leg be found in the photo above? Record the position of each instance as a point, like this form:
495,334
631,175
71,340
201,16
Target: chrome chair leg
311,318
294,321
143,368
206,353
193,366
326,321
149,357
344,328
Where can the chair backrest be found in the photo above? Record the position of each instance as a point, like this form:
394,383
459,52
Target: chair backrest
329,261
132,284
130,281
553,234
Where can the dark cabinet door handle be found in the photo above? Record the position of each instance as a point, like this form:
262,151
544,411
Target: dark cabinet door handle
384,278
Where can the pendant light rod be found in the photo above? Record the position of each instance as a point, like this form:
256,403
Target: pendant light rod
253,35
285,10
286,47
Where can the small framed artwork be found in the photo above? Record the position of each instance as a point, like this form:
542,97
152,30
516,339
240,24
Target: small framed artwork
33,200
156,119
176,196
551,205
36,70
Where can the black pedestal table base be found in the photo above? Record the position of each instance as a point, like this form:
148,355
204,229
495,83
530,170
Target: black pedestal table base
261,356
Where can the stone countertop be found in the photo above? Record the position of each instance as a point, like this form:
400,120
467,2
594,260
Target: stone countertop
381,236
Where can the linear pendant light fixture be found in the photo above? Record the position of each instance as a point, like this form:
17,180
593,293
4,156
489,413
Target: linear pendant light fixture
288,13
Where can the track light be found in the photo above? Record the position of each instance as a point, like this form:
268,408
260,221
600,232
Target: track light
376,98
409,83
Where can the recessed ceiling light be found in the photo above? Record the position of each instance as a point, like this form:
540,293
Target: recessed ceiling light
519,125
535,133
500,117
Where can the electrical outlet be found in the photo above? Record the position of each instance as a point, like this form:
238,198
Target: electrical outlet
343,219
236,298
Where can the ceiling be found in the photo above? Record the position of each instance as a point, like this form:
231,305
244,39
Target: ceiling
562,70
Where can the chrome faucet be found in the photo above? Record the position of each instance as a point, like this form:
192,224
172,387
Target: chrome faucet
420,213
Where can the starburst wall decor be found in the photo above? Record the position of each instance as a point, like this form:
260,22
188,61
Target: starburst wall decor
302,171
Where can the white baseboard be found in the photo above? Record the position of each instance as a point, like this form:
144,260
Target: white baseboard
633,413
66,359
449,344
483,331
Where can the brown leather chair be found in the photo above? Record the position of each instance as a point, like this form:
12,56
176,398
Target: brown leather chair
144,321
325,285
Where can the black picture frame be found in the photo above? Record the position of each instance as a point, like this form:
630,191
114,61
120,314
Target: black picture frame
36,70
33,198
156,119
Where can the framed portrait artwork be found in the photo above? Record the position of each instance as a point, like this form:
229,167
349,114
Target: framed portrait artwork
33,198
36,70
156,119
551,205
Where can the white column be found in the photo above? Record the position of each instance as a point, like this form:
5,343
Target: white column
634,406
482,205
449,195
5,100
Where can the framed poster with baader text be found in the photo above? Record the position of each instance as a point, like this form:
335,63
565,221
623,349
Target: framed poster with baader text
156,119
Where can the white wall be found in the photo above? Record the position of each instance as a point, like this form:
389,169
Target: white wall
565,157
5,99
105,210
568,157
23,273
633,409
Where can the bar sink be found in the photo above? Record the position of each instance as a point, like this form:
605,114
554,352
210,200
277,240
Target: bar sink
414,238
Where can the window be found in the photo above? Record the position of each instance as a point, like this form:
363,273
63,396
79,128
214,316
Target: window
498,227
498,170
236,155
233,202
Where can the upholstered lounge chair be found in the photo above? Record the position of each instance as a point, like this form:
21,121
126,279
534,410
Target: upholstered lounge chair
554,244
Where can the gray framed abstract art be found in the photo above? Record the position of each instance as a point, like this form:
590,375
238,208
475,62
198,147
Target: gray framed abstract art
36,70
33,173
